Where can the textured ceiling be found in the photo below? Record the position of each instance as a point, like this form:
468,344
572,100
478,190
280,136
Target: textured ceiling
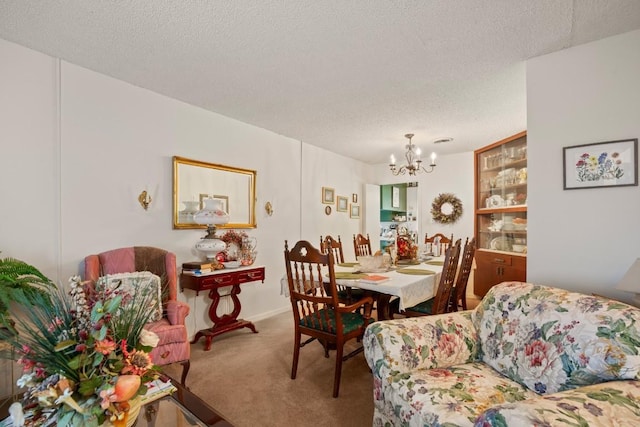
350,76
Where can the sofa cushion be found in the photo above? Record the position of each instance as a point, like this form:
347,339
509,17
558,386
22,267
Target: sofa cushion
614,403
453,396
550,339
128,285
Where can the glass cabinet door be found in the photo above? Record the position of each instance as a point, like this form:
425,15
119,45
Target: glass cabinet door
501,199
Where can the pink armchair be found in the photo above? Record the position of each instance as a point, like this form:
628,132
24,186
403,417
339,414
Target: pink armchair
174,346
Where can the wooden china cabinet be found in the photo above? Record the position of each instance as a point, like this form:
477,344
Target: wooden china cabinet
501,212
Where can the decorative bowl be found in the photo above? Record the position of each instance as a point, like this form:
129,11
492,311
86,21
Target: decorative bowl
231,264
371,264
518,248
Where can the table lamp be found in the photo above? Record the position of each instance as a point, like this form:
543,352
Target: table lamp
211,214
631,282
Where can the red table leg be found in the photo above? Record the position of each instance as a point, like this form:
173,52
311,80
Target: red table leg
225,323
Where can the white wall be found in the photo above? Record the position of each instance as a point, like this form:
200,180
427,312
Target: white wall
29,186
322,168
582,239
69,195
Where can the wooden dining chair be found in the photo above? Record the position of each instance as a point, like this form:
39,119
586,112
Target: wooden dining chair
441,303
442,240
361,245
459,295
329,244
317,312
346,294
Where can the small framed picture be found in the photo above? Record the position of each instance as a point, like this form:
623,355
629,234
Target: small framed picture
343,204
354,198
601,164
395,197
355,211
328,195
327,210
224,199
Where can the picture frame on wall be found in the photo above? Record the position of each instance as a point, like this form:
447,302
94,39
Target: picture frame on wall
355,211
395,197
328,195
224,199
342,204
601,164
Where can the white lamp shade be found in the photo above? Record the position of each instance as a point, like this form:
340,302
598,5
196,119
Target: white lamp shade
212,213
631,280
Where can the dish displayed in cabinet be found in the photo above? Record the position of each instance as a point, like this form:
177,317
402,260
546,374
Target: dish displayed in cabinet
501,243
495,201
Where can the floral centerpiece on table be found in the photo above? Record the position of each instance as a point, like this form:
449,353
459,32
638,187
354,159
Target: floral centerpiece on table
407,249
84,353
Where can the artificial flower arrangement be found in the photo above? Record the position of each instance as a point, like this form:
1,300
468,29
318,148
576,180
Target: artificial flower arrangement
84,354
407,249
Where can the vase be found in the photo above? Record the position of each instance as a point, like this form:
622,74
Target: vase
130,409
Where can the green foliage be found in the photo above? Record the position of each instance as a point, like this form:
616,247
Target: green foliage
19,281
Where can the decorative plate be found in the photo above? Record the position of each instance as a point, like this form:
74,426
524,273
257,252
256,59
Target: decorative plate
500,244
495,201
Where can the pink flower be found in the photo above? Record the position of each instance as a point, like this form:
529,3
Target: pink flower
105,397
539,365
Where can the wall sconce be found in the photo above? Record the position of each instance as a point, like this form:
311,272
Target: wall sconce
631,282
268,207
145,199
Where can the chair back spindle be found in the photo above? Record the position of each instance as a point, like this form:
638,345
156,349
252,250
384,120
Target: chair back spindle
362,245
447,279
329,244
466,262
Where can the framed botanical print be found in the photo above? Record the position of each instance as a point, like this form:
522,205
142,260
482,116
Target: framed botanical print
601,164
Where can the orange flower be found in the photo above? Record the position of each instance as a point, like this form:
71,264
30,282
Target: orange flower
137,362
105,346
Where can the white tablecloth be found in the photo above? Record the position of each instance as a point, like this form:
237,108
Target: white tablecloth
409,288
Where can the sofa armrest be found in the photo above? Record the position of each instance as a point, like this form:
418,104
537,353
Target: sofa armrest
177,312
397,346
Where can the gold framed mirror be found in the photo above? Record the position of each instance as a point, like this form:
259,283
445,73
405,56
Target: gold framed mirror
194,181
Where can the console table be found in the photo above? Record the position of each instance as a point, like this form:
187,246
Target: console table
212,282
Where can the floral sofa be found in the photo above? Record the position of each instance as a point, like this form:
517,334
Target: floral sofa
528,355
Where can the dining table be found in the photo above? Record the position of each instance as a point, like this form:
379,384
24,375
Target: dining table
410,282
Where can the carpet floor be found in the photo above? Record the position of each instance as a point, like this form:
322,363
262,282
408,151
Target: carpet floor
246,377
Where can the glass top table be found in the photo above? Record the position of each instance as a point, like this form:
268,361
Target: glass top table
181,408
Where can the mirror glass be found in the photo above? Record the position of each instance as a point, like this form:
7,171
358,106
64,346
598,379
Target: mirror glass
194,181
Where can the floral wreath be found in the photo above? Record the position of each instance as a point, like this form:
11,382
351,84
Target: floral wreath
436,208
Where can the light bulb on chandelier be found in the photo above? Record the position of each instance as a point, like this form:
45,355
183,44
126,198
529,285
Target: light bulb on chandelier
414,163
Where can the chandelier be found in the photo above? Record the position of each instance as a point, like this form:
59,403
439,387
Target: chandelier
414,163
